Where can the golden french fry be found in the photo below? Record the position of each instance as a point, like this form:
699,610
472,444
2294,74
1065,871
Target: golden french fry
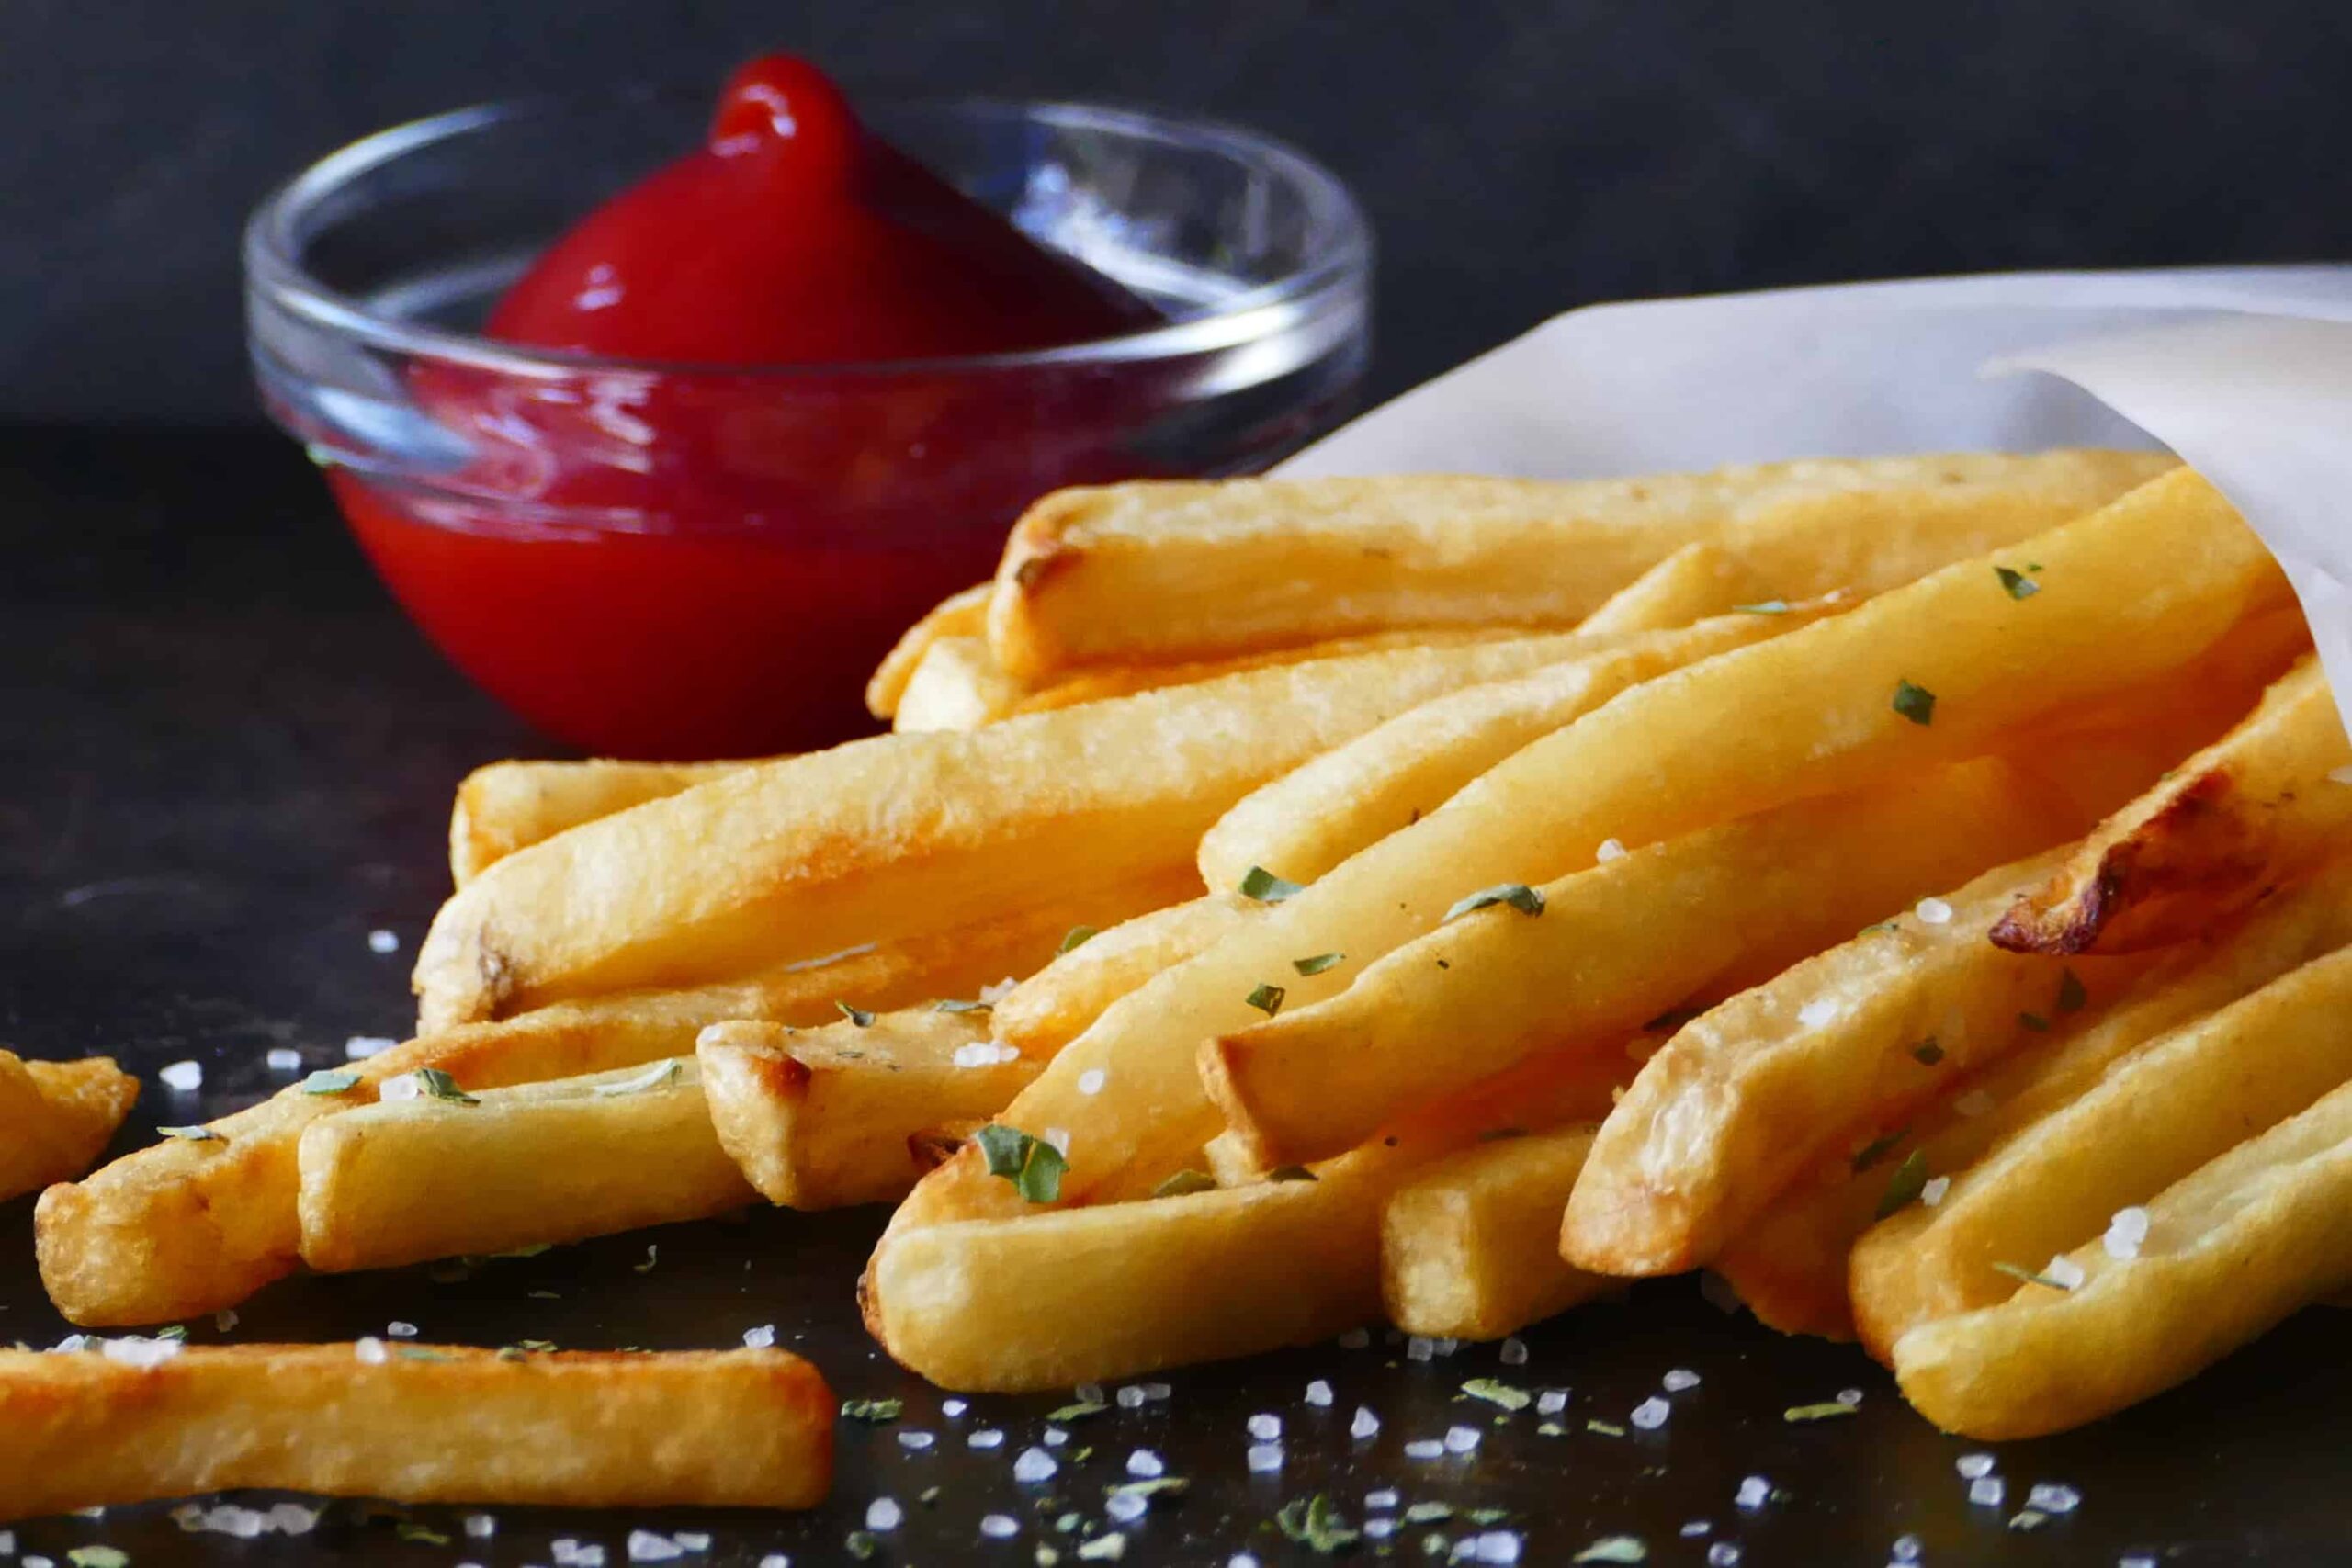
507,806
1309,820
189,1227
57,1117
1162,1281
1623,941
1053,1007
955,685
1104,682
2256,804
903,835
821,1118
402,1181
959,614
2130,593
2156,1114
1469,1249
1695,583
1790,1264
2230,1250
416,1424
1156,571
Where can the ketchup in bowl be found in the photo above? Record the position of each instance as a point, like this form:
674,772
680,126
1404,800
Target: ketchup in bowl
667,470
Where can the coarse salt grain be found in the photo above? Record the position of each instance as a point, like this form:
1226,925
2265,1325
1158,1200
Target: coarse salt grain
370,1351
760,1339
1365,1425
698,1540
1240,1560
359,1047
1131,1397
775,1560
7,1543
481,1527
1906,1549
1157,1390
183,1076
1514,1352
2064,1272
1971,1466
1986,1491
1142,1462
1496,1546
1696,1527
2125,1231
1091,1080
384,941
1722,1555
1034,1465
1419,1349
132,1351
1319,1394
1849,1397
1384,1498
1651,1413
1060,1138
2053,1497
1265,1458
1425,1447
644,1546
293,1518
994,994
1609,849
284,1059
1055,1437
884,1514
915,1442
400,1086
2141,1560
982,1053
1379,1529
1125,1508
952,1408
986,1438
401,1330
1932,1193
1461,1440
1000,1527
1812,1015
1753,1492
1932,912
1678,1380
1551,1402
1265,1427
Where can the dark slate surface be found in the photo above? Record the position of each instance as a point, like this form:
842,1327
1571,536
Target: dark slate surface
224,760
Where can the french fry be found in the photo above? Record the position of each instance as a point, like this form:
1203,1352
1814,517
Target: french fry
1791,1265
2132,592
186,1227
2254,805
418,1424
904,835
1103,682
821,1118
963,614
1309,820
1151,572
1162,1281
955,685
57,1117
2157,1114
1697,582
1469,1249
1623,941
1053,1007
1749,1094
402,1181
2230,1250
507,806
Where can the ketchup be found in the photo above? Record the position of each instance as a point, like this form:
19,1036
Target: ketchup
685,561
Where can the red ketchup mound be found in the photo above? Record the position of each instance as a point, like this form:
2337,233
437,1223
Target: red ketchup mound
677,559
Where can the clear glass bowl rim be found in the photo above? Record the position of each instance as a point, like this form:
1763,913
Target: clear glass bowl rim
1342,260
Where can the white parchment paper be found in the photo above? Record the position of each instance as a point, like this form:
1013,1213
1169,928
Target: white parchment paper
2245,372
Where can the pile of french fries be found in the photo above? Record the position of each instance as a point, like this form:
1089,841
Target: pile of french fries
1914,889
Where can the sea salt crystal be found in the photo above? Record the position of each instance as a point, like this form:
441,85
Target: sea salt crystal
7,1543
984,1054
401,1330
1986,1491
1425,1447
2125,1231
1000,1527
481,1527
1034,1465
1651,1413
1088,1392
359,1047
1379,1529
384,941
1849,1397
760,1339
1265,1428
1461,1440
915,1442
952,1408
992,995
371,1352
2140,1558
1609,849
1125,1508
1060,1138
1365,1425
1055,1437
1091,1080
1131,1397
775,1560
1496,1546
1753,1492
400,1086
132,1351
1906,1549
1419,1348
694,1540
2064,1272
1932,913
1971,1466
1514,1352
284,1059
1722,1555
1932,1193
1812,1015
1240,1560
2053,1497
1319,1394
1355,1339
884,1514
986,1438
1695,1527
1551,1402
293,1518
644,1546
1265,1458
184,1076
1157,1390
1678,1380
1145,1464
1384,1498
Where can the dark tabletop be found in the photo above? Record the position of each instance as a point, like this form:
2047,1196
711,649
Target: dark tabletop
225,759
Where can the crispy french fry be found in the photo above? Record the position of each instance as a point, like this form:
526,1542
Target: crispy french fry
955,685
507,806
1101,683
1469,1248
1619,943
959,614
821,1118
57,1117
1309,820
1696,582
2254,805
1749,1094
401,1181
1162,1281
189,1227
1791,1265
2157,1114
2231,1249
905,834
1053,1007
1156,571
421,1424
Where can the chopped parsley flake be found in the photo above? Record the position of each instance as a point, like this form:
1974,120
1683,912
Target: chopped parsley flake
1157,1486
1290,1173
1614,1549
1267,1000
2034,1021
1928,1053
1428,1513
409,1530
2019,585
1827,1411
1184,1183
193,1134
2018,1271
1518,895
328,1080
99,1557
953,1005
2072,995
1606,1428
1264,886
1076,937
1032,1166
442,1087
1879,1148
857,1016
1915,702
875,1410
1313,1523
1319,963
1902,1188
1671,1020
862,1545
1077,1412
1495,1392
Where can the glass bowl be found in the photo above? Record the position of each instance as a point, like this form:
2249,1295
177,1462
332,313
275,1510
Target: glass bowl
676,560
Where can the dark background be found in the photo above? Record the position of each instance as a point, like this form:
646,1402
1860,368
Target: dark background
1517,156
